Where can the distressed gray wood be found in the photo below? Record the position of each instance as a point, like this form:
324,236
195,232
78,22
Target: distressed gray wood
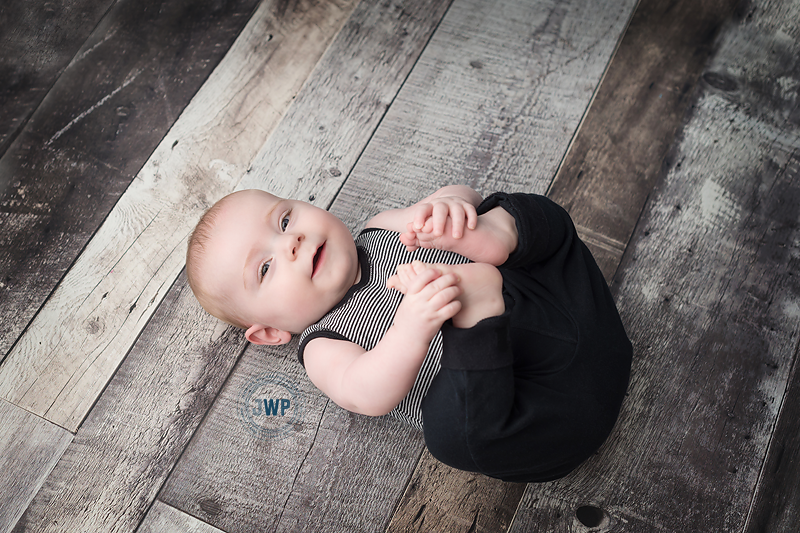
76,341
709,294
39,40
29,449
161,518
238,479
87,140
112,471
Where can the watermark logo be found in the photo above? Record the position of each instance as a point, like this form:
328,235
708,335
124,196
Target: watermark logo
270,406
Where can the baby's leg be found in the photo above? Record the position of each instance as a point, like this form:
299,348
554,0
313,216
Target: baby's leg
481,295
492,241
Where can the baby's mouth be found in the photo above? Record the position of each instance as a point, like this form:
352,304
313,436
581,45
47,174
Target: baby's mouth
318,259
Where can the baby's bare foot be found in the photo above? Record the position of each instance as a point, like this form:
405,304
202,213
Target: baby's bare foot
492,241
481,296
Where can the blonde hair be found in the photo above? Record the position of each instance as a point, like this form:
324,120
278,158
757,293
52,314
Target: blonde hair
216,305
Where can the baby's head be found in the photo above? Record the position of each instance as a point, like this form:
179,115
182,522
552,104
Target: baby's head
269,265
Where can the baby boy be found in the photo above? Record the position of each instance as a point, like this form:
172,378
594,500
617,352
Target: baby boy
485,322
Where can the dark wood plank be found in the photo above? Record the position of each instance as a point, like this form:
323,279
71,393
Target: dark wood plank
709,293
39,40
111,472
87,140
29,449
776,507
617,155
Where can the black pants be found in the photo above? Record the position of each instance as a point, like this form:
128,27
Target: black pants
531,394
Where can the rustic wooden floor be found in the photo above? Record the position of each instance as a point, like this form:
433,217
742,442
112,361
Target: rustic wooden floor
669,129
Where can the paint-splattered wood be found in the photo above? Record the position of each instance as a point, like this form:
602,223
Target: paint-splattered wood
709,293
165,519
98,125
347,96
110,474
39,40
616,157
29,449
71,349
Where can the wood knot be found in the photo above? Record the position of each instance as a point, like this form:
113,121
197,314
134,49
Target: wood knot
210,506
720,81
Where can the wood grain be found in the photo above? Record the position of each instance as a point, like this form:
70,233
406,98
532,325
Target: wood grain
165,519
69,352
709,294
39,40
29,449
110,474
616,157
87,140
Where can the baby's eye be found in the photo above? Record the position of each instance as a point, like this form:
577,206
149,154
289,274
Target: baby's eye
263,270
284,221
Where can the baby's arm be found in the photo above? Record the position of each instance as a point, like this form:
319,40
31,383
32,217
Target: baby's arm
373,382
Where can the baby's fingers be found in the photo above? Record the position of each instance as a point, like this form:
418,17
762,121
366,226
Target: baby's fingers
421,214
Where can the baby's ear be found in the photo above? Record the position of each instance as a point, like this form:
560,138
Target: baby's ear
267,335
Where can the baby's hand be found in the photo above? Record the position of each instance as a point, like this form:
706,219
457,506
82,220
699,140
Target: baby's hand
430,298
431,219
406,273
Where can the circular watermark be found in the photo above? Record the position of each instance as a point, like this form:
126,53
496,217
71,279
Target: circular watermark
270,406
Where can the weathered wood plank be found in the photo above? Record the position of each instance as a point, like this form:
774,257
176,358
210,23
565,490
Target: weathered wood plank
110,474
93,133
165,519
69,352
279,478
39,40
616,157
709,294
29,449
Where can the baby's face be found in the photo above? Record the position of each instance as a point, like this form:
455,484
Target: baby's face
283,263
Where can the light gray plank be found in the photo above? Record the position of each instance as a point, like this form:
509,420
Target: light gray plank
709,293
29,449
69,352
110,474
165,519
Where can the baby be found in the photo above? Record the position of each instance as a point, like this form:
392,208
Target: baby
514,364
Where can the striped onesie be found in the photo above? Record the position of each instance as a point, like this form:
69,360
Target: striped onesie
368,309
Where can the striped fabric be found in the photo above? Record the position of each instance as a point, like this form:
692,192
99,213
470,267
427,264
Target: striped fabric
367,311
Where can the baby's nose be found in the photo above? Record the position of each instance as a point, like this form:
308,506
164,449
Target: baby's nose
293,247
